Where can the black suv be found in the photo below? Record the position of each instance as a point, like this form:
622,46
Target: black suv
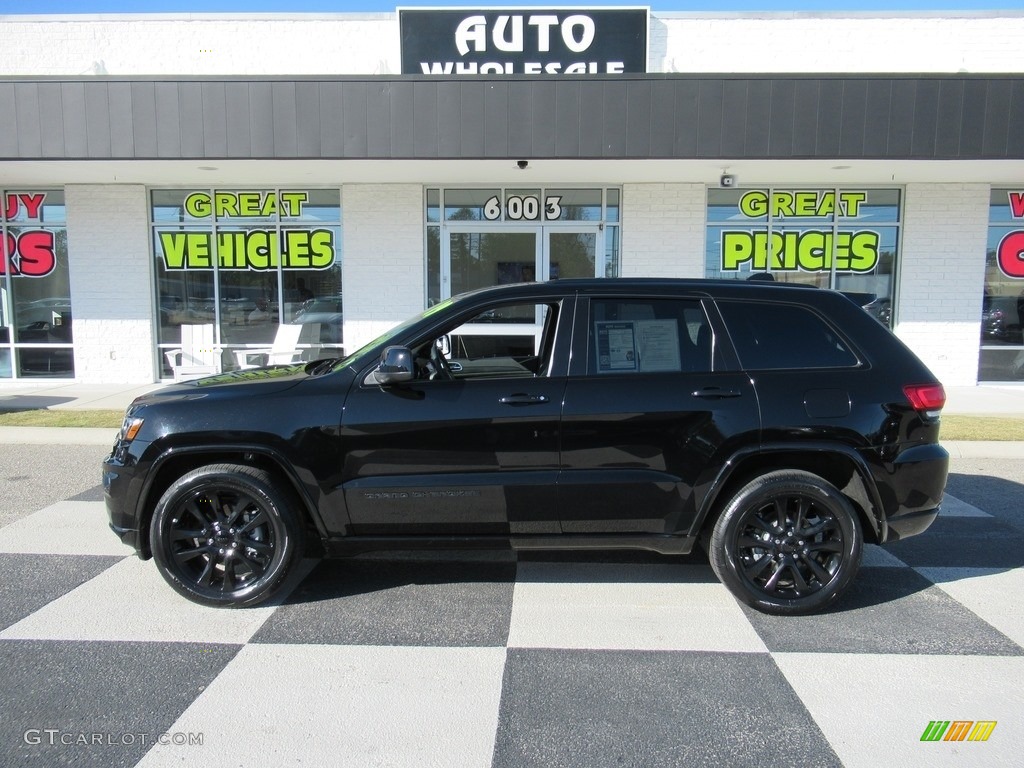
779,426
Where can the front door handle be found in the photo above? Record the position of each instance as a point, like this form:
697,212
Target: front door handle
716,393
522,399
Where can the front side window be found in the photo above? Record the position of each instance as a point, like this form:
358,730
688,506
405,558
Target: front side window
244,262
783,336
841,238
513,340
632,336
35,292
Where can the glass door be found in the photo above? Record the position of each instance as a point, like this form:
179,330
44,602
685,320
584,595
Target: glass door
573,253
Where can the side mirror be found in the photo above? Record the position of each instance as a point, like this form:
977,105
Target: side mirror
396,366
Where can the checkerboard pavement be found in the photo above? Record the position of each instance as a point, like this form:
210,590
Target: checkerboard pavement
628,660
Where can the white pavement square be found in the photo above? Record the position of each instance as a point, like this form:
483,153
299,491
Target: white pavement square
64,528
874,709
612,606
315,705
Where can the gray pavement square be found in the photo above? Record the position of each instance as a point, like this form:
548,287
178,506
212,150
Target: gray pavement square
97,704
926,619
397,602
30,581
651,708
963,542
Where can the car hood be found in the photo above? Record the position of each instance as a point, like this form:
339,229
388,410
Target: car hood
252,382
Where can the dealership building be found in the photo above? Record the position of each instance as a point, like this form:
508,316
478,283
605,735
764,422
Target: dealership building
176,189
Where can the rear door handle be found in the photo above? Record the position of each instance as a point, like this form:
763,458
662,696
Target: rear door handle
716,393
523,399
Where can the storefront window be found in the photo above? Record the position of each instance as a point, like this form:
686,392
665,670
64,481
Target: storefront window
1002,308
35,292
244,263
846,239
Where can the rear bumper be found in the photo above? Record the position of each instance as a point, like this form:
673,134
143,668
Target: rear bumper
913,489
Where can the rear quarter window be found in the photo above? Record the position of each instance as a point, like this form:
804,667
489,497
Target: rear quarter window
774,336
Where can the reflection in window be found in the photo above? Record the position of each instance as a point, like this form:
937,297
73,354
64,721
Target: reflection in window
35,295
840,238
1002,304
245,262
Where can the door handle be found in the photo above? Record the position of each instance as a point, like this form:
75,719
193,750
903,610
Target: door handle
522,399
716,393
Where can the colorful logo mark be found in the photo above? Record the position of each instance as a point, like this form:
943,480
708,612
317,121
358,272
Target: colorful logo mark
958,730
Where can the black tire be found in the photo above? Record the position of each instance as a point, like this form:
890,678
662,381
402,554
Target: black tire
787,543
226,535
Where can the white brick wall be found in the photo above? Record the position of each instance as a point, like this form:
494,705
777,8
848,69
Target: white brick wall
204,44
663,230
837,42
383,269
111,283
942,276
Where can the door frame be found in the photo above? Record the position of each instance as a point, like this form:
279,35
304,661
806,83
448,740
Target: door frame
542,244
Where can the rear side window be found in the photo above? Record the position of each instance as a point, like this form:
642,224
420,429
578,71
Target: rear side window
772,336
648,336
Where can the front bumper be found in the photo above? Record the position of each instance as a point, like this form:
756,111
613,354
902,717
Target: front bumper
120,494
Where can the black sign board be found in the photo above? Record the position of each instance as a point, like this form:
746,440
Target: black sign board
523,41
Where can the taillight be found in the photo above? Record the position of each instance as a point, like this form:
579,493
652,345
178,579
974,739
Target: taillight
926,398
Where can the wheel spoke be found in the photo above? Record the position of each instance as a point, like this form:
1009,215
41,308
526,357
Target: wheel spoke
758,521
773,580
826,523
184,555
820,573
758,567
780,514
258,519
206,577
751,542
255,565
260,547
228,582
799,584
178,534
829,545
802,508
200,509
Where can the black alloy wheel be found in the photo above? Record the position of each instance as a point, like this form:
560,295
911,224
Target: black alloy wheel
226,535
788,543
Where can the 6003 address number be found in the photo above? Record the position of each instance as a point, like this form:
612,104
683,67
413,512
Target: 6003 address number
527,208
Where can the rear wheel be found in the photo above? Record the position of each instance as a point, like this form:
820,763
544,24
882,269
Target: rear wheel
226,535
788,543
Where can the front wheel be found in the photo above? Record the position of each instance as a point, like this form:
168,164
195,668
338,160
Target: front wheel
226,535
788,543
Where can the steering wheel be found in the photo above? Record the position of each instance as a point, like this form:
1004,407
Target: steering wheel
439,364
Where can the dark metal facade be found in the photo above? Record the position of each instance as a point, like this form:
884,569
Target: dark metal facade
927,117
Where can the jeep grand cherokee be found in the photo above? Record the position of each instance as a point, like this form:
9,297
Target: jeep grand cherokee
779,426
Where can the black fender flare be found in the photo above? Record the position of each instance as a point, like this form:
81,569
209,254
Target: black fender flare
874,511
145,504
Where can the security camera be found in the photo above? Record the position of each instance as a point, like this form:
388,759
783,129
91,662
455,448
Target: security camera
727,180
522,164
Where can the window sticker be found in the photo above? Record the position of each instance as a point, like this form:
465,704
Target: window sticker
616,347
637,345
